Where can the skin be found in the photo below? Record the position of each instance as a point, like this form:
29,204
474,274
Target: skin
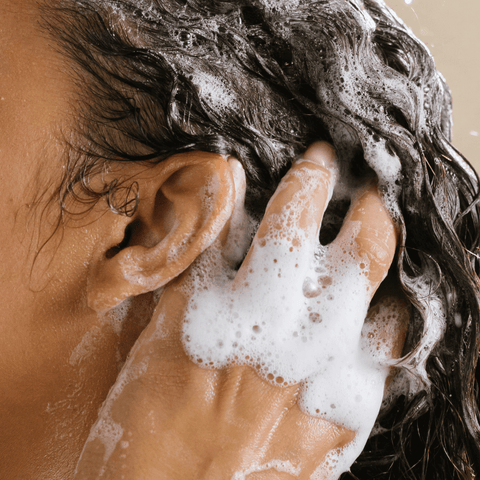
47,402
61,348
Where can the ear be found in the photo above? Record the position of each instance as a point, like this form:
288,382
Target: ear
184,203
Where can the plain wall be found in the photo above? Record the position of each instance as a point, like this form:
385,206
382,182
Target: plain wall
451,31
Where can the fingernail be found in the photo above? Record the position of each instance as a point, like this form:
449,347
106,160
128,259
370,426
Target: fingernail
322,154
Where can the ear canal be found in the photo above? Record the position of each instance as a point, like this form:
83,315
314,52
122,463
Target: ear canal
201,190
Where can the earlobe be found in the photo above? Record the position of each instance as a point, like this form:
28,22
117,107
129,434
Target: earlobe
199,189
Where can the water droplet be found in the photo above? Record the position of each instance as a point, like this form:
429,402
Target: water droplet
315,317
321,269
325,281
310,288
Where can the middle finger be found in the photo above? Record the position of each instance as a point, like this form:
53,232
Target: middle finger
294,214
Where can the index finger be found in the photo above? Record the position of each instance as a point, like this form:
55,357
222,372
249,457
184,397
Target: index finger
295,211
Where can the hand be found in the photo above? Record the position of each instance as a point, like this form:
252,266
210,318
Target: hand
169,418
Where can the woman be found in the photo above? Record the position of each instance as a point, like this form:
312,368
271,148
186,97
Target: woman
113,88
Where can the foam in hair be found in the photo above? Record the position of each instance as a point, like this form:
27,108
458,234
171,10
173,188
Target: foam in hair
232,330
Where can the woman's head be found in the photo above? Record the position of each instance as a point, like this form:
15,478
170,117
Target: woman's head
140,81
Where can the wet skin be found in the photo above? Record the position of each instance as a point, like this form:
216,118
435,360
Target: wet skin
61,353
48,399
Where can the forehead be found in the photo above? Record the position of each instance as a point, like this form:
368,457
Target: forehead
30,69
34,88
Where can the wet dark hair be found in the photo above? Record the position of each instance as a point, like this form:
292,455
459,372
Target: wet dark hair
262,80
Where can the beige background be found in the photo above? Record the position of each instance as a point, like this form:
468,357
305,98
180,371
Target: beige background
451,30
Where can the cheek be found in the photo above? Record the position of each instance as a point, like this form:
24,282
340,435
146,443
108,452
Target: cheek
58,358
54,376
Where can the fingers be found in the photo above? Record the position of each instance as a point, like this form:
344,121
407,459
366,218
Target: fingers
302,196
368,222
294,213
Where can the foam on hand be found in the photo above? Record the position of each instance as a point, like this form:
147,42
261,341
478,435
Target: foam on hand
297,317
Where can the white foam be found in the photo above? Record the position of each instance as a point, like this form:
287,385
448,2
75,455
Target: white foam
105,429
432,305
278,465
87,346
297,318
116,316
213,90
280,5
